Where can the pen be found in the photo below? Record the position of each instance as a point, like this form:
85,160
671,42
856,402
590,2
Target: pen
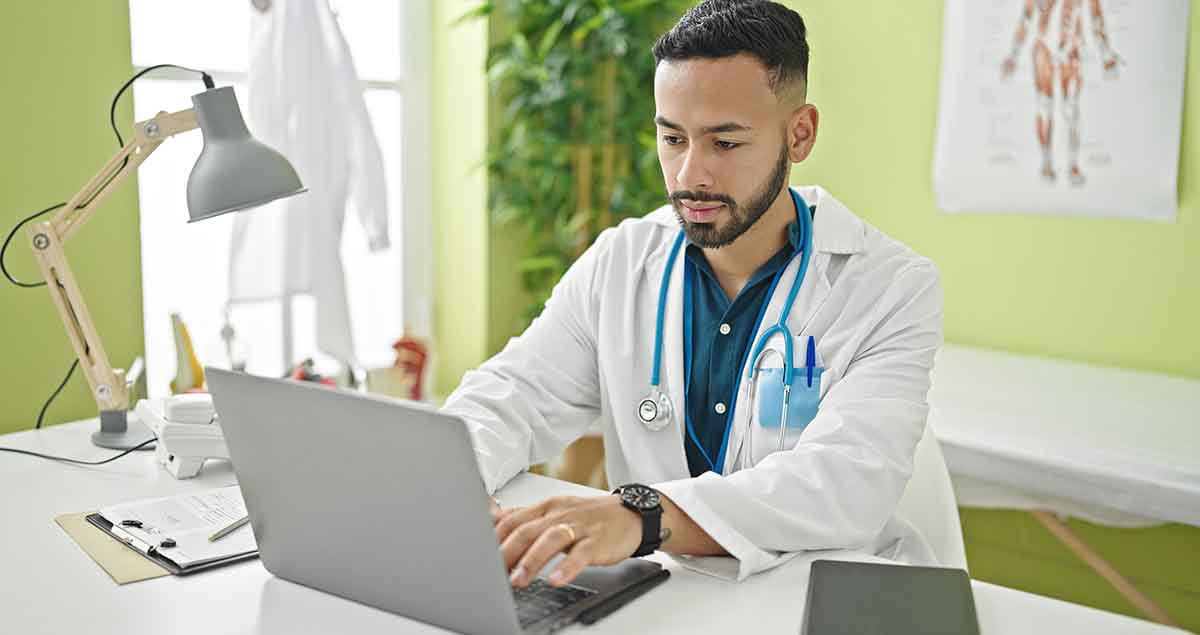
228,529
600,611
810,359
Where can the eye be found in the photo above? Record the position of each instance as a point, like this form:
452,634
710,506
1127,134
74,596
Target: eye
671,140
727,145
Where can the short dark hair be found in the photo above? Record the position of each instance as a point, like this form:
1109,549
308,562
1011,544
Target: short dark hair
767,30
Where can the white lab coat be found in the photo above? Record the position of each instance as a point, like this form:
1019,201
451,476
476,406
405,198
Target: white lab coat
875,309
305,100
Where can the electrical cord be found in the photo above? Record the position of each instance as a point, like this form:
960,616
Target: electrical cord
45,406
112,110
4,248
77,461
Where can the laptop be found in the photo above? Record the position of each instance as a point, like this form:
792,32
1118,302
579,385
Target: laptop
380,501
865,598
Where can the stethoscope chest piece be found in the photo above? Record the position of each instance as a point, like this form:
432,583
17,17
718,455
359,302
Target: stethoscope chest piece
655,410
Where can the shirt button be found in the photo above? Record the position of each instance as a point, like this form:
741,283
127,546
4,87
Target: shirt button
720,408
725,329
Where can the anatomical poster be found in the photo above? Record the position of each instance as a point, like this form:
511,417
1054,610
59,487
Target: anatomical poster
1061,107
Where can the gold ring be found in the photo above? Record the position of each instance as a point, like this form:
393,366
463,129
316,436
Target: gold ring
569,529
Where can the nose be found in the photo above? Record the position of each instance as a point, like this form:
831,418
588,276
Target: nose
693,174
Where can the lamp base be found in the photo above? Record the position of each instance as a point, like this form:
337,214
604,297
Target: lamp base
121,430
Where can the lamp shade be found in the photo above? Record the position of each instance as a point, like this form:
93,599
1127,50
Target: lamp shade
234,171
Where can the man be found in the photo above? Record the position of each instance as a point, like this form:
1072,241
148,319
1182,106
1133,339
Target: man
705,471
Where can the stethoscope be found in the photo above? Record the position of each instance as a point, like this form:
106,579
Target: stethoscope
655,411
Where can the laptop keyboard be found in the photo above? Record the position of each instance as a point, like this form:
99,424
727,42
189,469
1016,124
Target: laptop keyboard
540,600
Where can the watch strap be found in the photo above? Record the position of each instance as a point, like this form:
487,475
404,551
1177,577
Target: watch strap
651,532
651,524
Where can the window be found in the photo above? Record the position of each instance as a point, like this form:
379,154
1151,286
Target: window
185,267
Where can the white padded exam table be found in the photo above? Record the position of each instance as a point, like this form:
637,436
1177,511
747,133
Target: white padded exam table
1057,438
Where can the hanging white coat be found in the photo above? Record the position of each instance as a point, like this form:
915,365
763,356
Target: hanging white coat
874,308
305,100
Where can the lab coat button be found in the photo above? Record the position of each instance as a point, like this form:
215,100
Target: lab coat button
720,408
725,329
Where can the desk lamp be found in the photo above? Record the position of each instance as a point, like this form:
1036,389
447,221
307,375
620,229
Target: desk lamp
233,172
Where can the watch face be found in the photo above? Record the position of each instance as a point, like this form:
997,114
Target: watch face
640,496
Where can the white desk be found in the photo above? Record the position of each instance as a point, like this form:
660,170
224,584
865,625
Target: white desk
49,585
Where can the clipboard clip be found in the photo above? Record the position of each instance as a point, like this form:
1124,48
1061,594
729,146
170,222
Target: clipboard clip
133,541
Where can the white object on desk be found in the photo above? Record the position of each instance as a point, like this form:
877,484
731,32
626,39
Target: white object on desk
43,566
183,447
190,408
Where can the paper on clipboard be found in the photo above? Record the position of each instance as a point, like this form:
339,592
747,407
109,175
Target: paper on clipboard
188,520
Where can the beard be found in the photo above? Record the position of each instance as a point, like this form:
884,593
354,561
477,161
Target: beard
741,218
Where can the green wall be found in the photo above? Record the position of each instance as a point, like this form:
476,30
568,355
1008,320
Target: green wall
60,62
1012,549
461,232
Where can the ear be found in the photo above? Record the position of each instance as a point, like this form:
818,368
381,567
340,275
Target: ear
802,132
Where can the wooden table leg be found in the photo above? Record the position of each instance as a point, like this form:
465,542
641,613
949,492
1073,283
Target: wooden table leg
1101,566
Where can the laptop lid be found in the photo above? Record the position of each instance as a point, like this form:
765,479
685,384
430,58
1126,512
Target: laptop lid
862,598
364,497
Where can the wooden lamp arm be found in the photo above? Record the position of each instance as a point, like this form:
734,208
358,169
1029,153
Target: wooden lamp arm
49,238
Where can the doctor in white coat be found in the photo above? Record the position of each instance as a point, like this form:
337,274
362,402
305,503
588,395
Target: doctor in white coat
710,472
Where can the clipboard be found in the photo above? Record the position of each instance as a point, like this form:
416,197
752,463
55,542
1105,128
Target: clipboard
157,558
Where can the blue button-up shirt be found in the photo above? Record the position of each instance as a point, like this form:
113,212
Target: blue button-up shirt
721,334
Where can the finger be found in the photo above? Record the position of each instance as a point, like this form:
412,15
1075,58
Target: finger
578,558
502,513
554,539
527,514
520,540
515,519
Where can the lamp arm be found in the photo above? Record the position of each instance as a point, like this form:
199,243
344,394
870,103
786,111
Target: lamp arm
48,239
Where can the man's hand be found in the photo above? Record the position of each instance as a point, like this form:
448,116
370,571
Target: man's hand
590,531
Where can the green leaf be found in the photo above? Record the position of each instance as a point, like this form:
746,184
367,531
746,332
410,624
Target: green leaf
580,34
549,38
481,11
546,75
539,263
521,46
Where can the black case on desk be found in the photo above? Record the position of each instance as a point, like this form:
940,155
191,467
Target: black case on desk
861,598
105,526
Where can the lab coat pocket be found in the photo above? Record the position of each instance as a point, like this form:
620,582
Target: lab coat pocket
804,398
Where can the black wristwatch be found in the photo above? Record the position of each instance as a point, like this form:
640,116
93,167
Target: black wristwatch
648,504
